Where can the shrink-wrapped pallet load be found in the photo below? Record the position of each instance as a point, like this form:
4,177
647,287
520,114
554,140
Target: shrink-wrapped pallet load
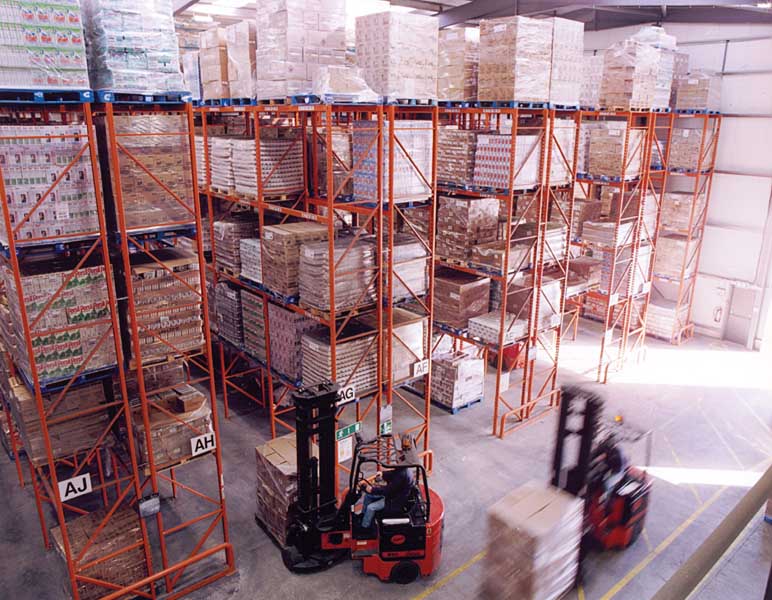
340,151
412,160
680,210
680,71
407,342
287,329
584,211
488,326
254,324
281,163
295,38
458,60
132,46
592,76
492,161
250,252
228,234
515,55
458,296
455,155
588,268
699,90
521,302
563,136
213,63
227,308
355,281
191,74
491,255
607,150
566,67
458,378
462,223
629,76
665,44
397,53
627,274
665,317
690,147
410,268
240,41
534,534
674,253
281,253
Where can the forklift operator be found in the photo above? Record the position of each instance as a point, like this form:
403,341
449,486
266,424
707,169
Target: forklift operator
393,494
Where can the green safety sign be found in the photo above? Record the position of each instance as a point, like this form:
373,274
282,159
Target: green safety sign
347,431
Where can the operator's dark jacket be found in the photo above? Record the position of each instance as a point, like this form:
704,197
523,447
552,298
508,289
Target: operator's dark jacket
396,489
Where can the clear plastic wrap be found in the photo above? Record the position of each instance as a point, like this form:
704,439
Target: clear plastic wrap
629,76
132,45
458,63
592,76
397,53
606,155
515,61
680,71
41,46
240,42
455,155
566,70
464,223
654,35
295,37
191,75
534,535
699,90
342,83
458,378
491,161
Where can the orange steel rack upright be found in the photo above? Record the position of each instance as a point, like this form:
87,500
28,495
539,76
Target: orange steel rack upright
324,200
546,204
113,477
697,183
184,539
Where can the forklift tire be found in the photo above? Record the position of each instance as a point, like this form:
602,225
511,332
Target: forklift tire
637,529
405,572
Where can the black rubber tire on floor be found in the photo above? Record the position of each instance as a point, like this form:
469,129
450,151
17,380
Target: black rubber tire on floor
405,572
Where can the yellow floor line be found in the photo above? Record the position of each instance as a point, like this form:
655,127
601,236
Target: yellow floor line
662,546
680,464
450,576
722,439
580,592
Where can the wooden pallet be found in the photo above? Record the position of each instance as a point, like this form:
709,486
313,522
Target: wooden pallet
453,410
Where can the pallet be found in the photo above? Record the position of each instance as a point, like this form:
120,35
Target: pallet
510,104
229,271
158,234
408,101
267,531
484,189
623,109
453,410
109,97
175,464
46,246
455,103
689,171
559,106
16,96
223,191
696,111
604,178
154,361
56,385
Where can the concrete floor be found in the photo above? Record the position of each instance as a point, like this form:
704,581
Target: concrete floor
708,404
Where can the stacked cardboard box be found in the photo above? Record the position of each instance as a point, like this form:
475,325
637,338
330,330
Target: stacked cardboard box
221,164
94,542
458,296
415,141
201,167
605,234
587,268
354,263
534,534
157,378
699,90
65,333
584,211
169,311
240,41
459,58
68,432
281,163
228,311
521,302
213,63
563,141
664,318
250,251
287,329
629,75
585,133
515,55
168,157
686,141
491,256
191,74
277,484
492,158
281,253
566,68
408,342
228,234
592,76
30,166
295,38
631,210
341,161
397,53
680,71
132,47
624,270
675,252
458,378
356,357
455,155
34,58
555,238
663,85
606,152
410,268
677,211
462,223
254,324
487,327
171,435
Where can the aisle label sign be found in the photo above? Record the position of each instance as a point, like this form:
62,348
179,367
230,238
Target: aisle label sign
386,425
347,431
202,444
77,486
421,368
345,449
346,395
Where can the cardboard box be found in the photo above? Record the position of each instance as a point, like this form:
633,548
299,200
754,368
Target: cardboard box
567,61
458,296
458,63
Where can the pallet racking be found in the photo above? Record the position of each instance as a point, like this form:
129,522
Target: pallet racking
547,203
378,216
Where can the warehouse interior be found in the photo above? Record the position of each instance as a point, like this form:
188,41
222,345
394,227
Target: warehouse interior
261,259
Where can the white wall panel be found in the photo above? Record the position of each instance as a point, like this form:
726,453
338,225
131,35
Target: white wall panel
745,146
749,56
746,94
705,56
730,253
739,201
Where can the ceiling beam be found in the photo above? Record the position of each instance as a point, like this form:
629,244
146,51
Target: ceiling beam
179,6
435,7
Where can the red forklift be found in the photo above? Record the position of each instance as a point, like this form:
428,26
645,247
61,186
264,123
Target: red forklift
324,530
616,495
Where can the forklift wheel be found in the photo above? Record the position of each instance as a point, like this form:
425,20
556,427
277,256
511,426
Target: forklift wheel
405,572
